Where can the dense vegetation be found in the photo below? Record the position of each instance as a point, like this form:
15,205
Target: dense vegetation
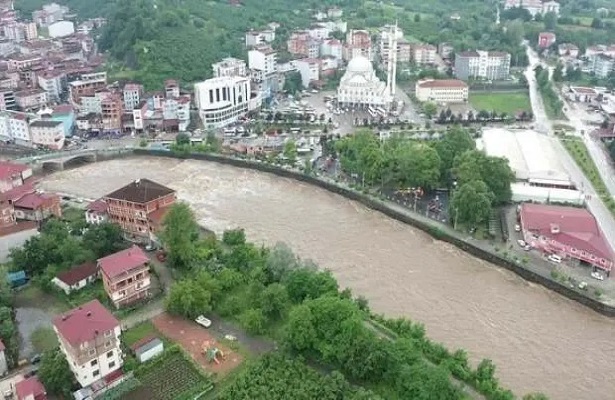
269,291
480,181
55,373
553,105
8,327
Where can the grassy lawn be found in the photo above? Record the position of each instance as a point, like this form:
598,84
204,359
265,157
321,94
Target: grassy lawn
33,296
43,339
138,332
501,102
579,152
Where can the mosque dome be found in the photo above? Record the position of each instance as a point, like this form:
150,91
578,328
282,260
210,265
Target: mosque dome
359,65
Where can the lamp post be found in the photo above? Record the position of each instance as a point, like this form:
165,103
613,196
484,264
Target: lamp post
456,208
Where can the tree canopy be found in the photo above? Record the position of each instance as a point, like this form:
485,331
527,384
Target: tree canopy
55,373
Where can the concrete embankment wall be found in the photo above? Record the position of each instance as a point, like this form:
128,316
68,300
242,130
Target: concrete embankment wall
405,216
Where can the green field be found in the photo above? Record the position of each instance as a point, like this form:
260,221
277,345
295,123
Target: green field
138,332
501,102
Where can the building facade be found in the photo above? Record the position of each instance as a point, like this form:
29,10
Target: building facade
89,337
489,65
229,67
358,43
222,101
47,133
360,87
126,276
442,91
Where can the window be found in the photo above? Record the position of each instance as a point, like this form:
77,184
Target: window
107,343
92,352
111,364
95,373
110,354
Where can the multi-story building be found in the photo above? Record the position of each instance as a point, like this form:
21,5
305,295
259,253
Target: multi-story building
568,50
125,276
183,112
534,7
384,41
332,47
131,206
257,38
47,133
6,47
14,126
229,67
222,101
319,31
262,59
49,14
18,62
96,212
51,83
89,337
445,50
442,91
358,43
546,40
491,65
37,206
601,65
3,364
132,93
30,99
30,30
297,44
111,111
600,49
309,68
424,54
7,100
171,89
87,85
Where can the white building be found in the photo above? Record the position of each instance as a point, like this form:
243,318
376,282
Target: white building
96,212
601,65
360,87
89,337
77,277
309,68
534,7
262,60
61,29
14,126
424,54
222,101
492,65
332,47
229,67
48,133
257,38
319,31
385,41
131,94
51,82
4,368
442,91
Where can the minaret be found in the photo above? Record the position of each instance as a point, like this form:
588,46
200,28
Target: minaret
393,60
497,16
388,62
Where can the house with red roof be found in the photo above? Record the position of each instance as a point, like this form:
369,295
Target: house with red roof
96,212
126,276
36,206
77,277
89,337
567,231
546,39
4,368
30,389
13,175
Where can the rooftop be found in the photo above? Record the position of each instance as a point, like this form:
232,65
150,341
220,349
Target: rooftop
45,124
140,191
443,83
85,323
31,201
577,227
78,273
122,261
30,387
9,169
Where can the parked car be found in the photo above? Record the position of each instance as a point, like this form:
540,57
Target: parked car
35,359
30,373
521,243
150,247
554,258
517,228
597,275
204,322
230,338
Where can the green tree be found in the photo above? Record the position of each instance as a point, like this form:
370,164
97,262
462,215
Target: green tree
423,382
179,235
558,73
535,396
188,299
430,109
182,139
9,335
103,239
55,374
293,82
300,333
455,142
550,21
305,283
253,321
274,301
234,237
475,165
471,203
290,151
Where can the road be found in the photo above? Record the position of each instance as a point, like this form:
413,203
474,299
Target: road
543,125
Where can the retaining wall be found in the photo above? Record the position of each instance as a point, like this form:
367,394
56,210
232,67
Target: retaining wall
405,216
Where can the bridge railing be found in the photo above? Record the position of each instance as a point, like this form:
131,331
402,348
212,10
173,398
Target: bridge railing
70,153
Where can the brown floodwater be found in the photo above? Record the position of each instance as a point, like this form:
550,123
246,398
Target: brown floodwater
539,340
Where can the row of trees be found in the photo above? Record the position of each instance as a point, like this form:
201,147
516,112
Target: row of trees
270,291
8,326
553,105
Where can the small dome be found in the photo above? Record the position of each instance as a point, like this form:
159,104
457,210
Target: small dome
359,65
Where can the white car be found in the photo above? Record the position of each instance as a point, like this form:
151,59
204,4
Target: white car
204,322
555,258
230,338
521,243
597,275
517,228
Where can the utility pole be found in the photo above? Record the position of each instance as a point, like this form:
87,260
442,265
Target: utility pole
456,215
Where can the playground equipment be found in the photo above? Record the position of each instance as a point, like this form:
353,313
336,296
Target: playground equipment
212,354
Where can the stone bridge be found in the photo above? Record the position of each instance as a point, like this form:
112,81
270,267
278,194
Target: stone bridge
59,160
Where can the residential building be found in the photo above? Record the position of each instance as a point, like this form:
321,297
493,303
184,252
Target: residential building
297,44
332,47
15,126
546,40
15,236
335,13
96,212
130,206
4,368
263,60
328,66
31,99
13,175
424,54
51,83
600,49
442,91
87,85
229,67
171,89
77,277
89,337
61,29
568,50
222,101
385,41
37,207
49,14
111,107
183,112
309,68
257,38
319,31
126,276
7,100
534,7
18,62
131,94
65,114
601,65
404,51
567,231
491,65
358,43
47,133
30,389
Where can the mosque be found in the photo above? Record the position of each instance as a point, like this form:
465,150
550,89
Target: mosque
361,88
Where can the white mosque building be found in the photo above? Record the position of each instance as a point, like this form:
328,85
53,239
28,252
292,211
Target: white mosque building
360,87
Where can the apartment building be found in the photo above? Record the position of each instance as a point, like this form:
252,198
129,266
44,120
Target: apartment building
309,68
229,67
15,126
424,54
222,101
47,133
31,99
333,48
534,7
297,43
171,89
126,276
601,65
111,108
257,38
89,337
96,212
51,83
87,85
491,65
18,62
131,206
262,61
442,91
358,43
384,39
7,100
131,94
49,14
568,50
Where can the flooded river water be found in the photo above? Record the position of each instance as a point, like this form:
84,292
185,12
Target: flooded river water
539,340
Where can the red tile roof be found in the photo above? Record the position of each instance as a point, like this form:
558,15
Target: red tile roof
99,206
122,261
30,387
577,227
85,323
19,191
31,201
140,191
78,273
9,169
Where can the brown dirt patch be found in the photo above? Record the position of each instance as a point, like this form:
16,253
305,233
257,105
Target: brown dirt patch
192,337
